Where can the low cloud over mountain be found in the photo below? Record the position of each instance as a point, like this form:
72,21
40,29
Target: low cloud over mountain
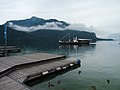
36,23
50,25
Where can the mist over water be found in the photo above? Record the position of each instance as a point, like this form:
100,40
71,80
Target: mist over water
100,61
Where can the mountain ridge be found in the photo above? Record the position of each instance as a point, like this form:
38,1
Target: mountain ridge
49,32
34,21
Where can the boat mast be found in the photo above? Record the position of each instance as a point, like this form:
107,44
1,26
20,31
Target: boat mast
65,36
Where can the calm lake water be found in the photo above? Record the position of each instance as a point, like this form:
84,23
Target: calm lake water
100,61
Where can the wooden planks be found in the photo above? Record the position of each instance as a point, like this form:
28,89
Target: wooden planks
8,62
7,83
15,70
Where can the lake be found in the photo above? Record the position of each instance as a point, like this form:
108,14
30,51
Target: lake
100,61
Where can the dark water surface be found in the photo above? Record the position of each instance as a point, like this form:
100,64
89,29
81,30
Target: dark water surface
100,61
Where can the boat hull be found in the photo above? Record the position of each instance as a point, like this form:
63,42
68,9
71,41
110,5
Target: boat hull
74,43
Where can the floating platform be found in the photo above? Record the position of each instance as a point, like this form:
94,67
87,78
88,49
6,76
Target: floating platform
21,69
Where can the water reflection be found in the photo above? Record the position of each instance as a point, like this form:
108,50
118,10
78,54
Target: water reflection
76,49
59,49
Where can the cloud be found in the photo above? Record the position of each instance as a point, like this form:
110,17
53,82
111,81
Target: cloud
51,25
81,27
56,26
103,14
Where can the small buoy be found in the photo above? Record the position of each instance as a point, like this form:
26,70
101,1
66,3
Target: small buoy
79,72
49,84
59,82
93,87
108,81
52,85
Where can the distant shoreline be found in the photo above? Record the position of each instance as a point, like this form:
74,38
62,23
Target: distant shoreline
103,39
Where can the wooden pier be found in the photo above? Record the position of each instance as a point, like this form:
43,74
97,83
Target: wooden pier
8,49
16,70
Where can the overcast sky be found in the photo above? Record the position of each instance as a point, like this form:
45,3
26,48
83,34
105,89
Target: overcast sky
103,15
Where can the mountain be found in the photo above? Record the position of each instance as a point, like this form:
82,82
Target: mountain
38,31
35,23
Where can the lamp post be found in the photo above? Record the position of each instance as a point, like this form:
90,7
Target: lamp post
5,38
